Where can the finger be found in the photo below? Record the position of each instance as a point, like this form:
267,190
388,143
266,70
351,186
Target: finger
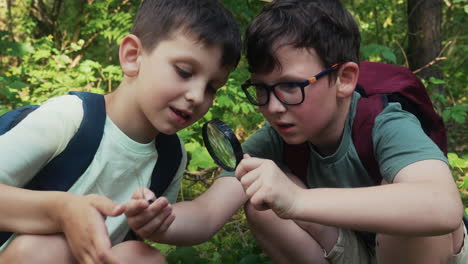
102,246
152,212
252,189
258,201
169,220
143,193
134,207
139,193
246,165
154,225
249,178
106,206
149,195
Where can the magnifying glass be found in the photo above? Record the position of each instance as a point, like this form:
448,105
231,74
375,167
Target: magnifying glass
222,144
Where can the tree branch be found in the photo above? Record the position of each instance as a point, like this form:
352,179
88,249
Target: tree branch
434,61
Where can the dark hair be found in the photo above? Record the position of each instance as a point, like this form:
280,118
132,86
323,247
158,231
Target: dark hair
324,25
213,24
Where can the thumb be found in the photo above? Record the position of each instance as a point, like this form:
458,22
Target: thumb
106,206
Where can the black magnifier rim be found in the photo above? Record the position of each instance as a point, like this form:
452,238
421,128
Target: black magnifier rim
230,136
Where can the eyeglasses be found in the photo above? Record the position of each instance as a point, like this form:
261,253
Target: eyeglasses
288,93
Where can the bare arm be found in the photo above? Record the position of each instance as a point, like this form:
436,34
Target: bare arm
423,200
196,221
25,211
80,218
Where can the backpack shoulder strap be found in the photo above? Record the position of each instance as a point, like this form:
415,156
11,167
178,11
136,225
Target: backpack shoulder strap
368,108
12,118
62,172
169,158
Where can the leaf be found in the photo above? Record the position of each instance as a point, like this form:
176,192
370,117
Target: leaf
249,259
200,158
436,81
17,85
389,55
185,255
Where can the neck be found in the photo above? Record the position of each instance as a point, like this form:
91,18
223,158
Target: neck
122,108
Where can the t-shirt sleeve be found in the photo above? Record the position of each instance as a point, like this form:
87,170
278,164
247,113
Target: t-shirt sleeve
37,139
264,143
399,141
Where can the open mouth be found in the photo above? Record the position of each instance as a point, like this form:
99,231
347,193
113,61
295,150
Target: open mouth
181,113
285,125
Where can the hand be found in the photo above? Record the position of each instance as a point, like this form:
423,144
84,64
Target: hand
83,223
148,219
267,186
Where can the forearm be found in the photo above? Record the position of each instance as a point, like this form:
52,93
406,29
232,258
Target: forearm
400,208
191,226
34,212
198,220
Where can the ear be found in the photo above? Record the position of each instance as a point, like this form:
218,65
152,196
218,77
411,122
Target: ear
129,53
347,79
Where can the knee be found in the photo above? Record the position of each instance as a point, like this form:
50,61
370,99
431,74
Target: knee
138,252
26,248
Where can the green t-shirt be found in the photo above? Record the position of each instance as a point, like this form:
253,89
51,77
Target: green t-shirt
398,141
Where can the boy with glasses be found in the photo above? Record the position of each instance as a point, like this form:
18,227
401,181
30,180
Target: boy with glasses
304,60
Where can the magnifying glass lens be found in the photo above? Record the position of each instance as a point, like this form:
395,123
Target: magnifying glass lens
222,144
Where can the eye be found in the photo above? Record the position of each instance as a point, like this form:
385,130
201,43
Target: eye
288,86
183,73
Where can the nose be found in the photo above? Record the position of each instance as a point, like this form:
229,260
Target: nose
274,105
196,94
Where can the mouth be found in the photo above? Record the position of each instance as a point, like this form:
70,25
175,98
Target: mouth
284,128
185,115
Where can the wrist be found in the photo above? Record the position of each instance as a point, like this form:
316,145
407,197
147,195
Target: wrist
300,201
58,209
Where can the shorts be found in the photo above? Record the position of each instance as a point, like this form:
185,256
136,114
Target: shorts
462,257
350,250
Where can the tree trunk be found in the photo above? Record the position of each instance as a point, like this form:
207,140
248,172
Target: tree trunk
424,37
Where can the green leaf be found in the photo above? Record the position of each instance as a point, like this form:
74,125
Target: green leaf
17,85
389,55
436,81
200,158
249,259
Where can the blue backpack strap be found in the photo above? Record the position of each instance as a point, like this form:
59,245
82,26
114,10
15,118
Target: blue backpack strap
12,118
169,158
63,171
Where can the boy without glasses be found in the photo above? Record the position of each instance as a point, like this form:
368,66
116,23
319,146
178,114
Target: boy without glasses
178,54
304,60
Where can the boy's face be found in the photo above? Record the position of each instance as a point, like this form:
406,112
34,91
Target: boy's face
177,82
311,120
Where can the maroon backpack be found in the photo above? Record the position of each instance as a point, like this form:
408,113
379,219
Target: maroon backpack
379,84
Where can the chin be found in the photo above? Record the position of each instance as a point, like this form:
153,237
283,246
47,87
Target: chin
293,140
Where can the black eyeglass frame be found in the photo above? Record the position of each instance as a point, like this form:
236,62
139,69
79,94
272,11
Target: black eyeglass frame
271,88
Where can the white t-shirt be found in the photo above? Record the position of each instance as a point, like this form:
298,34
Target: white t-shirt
120,166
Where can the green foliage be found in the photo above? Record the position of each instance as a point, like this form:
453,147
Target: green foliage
44,55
